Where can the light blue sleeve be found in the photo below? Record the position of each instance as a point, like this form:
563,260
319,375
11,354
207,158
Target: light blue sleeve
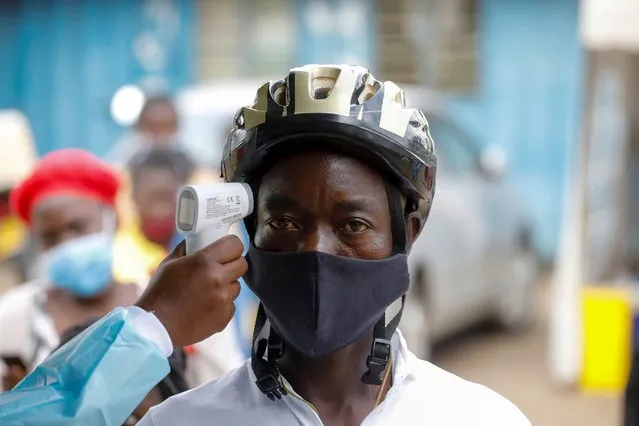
96,379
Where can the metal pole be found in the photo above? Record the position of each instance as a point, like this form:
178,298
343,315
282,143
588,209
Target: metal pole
565,342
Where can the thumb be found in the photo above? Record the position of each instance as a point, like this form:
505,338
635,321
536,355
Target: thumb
178,252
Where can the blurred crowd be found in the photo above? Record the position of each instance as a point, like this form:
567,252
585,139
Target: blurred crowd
80,236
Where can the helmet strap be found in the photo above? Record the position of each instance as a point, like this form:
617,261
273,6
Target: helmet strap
397,217
265,351
380,353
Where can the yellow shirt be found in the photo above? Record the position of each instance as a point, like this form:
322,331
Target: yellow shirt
12,236
134,257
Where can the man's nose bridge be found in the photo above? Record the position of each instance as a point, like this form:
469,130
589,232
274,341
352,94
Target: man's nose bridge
320,239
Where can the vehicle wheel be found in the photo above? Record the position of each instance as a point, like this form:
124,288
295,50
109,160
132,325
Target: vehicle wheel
414,323
516,308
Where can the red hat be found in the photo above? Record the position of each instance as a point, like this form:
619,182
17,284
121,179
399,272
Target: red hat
65,172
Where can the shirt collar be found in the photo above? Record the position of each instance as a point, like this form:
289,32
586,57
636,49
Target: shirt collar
401,357
402,360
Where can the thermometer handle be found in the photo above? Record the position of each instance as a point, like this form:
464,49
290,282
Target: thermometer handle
206,237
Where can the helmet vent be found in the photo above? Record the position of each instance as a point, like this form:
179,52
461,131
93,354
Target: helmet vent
321,87
279,93
239,119
370,89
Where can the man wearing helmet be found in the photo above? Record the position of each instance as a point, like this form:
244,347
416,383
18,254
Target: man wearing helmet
343,176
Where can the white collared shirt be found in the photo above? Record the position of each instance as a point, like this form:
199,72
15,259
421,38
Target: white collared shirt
422,394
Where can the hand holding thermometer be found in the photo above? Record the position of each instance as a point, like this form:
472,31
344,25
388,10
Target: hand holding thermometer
206,212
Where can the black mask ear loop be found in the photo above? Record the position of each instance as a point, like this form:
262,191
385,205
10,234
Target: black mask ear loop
380,354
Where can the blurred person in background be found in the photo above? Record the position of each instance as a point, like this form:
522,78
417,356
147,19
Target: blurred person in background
157,127
146,207
68,203
155,176
173,384
17,157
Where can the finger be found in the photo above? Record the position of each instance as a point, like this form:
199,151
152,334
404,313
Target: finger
234,289
230,313
224,250
178,252
235,269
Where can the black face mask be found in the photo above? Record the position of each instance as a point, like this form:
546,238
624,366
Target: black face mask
318,302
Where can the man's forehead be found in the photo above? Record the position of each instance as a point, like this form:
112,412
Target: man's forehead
319,165
313,178
281,201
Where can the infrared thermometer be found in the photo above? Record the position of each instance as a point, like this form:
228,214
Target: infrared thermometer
206,212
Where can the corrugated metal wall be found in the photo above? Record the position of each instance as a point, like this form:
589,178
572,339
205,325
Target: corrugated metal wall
529,100
62,62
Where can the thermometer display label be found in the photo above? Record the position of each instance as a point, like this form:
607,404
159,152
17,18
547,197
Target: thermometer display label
227,208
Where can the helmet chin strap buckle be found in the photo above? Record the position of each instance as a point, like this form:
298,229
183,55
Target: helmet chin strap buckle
377,362
266,373
270,386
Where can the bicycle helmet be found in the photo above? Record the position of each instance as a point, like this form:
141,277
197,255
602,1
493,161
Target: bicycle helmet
341,108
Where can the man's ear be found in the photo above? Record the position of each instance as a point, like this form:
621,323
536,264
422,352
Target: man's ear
413,229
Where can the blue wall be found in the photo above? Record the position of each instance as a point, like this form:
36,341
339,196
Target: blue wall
335,44
62,62
529,99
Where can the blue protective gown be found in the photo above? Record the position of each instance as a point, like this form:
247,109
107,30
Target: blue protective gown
96,379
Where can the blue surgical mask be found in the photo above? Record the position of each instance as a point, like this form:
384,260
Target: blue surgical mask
82,266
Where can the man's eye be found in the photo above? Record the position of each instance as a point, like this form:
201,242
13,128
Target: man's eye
283,224
356,226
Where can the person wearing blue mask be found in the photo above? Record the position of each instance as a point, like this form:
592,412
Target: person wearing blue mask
67,202
100,376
